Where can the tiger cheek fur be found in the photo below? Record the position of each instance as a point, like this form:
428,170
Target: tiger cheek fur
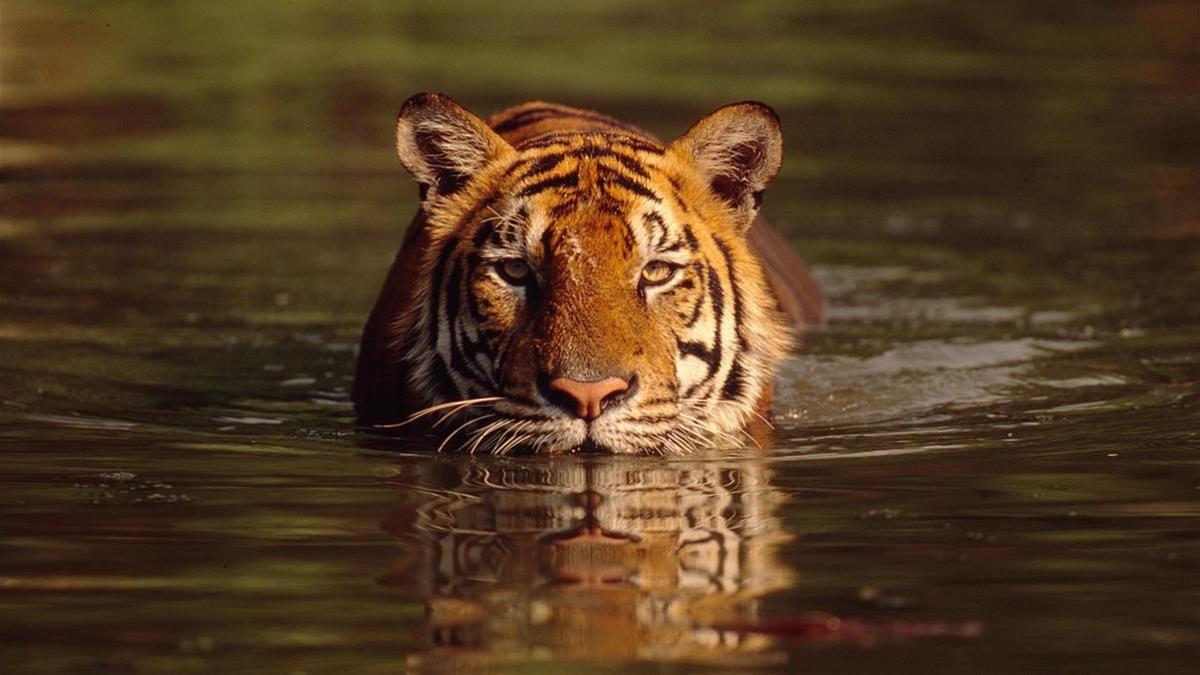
577,283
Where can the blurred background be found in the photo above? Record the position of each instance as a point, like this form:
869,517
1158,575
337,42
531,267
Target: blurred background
1001,200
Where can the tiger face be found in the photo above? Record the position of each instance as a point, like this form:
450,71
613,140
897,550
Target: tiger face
575,284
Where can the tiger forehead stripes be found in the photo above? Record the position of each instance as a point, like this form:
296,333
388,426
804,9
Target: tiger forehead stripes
571,283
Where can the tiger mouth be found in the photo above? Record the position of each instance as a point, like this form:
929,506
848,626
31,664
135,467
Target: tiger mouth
502,433
512,425
589,445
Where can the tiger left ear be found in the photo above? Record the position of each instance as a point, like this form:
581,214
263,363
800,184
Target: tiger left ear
737,150
443,145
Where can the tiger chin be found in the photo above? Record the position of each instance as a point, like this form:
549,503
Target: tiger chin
570,283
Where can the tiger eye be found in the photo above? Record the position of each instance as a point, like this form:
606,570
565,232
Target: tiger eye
657,272
514,271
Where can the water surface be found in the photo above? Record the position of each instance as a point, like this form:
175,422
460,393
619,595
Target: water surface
986,460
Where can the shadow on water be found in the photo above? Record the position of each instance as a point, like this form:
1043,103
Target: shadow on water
606,560
588,560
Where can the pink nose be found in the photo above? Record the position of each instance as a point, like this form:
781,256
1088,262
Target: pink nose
588,397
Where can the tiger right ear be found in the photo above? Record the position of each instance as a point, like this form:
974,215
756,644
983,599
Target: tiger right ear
443,145
737,150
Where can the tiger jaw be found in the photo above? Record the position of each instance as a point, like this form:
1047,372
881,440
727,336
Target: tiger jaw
514,429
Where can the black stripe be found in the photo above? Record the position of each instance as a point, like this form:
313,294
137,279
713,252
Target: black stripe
509,232
640,145
697,272
735,382
452,291
627,236
546,140
717,298
458,360
658,229
473,307
569,180
690,236
475,349
441,377
609,205
633,166
563,209
535,115
727,253
492,337
547,163
517,165
591,149
439,270
631,142
632,186
523,118
484,233
677,194
700,351
717,294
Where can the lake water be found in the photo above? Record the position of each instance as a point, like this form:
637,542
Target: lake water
985,462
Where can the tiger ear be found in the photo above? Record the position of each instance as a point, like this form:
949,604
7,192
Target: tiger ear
737,149
442,144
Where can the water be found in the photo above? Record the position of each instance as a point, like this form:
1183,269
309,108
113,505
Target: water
986,461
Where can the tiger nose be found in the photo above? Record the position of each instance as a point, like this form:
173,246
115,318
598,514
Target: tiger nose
588,399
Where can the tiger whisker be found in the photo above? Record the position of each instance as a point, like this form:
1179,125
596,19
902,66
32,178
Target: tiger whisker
761,417
503,437
753,440
677,443
728,437
483,433
694,427
710,434
451,413
440,406
517,439
689,431
462,426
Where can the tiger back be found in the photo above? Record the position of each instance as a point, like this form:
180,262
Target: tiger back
570,282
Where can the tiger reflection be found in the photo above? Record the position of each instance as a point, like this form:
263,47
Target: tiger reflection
589,559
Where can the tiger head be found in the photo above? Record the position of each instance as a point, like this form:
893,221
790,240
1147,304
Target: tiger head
572,283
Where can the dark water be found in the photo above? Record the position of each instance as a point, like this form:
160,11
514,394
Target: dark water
986,462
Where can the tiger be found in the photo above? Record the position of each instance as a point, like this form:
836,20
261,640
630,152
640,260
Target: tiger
570,283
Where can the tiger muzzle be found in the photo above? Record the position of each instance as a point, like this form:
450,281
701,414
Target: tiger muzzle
587,400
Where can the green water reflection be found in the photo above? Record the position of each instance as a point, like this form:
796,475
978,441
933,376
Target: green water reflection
998,429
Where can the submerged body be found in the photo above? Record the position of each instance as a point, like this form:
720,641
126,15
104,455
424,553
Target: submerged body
571,282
